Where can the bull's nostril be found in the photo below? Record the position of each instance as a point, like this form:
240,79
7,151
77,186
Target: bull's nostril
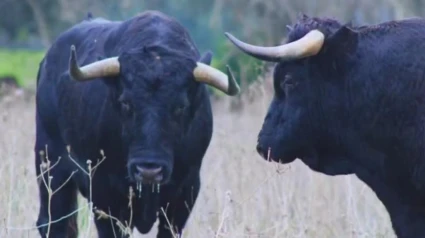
149,174
148,171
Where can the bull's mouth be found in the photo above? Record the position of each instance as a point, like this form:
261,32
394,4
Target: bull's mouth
270,156
149,175
327,163
147,187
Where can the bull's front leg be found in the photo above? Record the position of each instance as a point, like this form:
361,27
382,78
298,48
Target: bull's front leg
178,209
58,203
57,189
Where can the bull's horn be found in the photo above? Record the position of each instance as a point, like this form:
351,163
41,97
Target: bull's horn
103,68
214,77
308,45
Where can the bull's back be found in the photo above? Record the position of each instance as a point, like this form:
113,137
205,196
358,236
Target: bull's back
394,38
391,51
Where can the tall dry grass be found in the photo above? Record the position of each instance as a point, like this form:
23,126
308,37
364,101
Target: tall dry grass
241,196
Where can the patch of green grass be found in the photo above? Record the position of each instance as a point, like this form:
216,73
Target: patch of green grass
83,215
20,63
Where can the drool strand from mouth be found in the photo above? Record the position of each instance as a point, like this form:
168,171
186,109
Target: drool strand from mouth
139,188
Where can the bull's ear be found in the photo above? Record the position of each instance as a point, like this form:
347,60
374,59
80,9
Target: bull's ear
206,58
337,51
343,41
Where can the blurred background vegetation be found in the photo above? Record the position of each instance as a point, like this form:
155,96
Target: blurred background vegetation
27,27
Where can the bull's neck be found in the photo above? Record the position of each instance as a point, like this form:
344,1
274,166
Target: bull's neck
404,206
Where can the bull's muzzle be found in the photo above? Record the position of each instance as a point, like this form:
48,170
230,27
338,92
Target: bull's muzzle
148,172
149,175
262,151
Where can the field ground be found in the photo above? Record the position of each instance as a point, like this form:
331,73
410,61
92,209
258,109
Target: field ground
242,195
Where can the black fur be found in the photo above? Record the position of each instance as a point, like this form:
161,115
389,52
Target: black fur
357,107
153,112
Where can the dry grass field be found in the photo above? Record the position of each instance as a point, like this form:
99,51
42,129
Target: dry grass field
241,196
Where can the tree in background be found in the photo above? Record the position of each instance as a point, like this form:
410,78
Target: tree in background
33,24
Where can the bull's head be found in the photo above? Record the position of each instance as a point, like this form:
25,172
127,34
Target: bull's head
157,94
306,110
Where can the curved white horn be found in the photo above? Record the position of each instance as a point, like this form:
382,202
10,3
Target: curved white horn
214,77
308,45
102,68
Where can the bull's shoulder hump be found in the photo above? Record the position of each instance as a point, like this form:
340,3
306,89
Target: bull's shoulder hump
408,24
83,32
86,28
152,18
154,15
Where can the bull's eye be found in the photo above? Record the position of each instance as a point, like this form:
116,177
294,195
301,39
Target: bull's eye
179,110
125,107
288,84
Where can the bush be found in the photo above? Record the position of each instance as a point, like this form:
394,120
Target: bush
21,64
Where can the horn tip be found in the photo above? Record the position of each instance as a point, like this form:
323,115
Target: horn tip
73,51
234,40
73,65
228,35
73,55
233,88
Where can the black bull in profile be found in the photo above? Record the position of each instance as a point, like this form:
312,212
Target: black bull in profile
135,90
351,100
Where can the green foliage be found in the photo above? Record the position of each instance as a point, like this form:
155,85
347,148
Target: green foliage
206,22
83,215
246,69
22,64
